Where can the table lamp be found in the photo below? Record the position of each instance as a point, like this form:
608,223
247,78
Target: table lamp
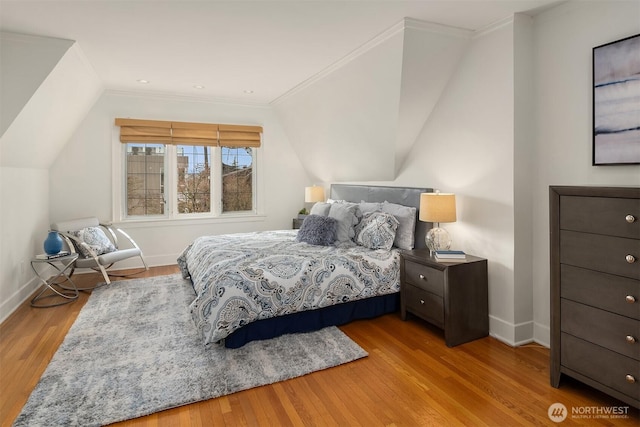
437,208
314,194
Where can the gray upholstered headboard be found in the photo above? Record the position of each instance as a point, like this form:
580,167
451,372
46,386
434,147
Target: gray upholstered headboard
407,196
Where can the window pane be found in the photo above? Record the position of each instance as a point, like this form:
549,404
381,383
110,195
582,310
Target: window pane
237,179
194,179
145,179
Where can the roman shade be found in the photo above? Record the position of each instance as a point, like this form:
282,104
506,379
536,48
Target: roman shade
208,134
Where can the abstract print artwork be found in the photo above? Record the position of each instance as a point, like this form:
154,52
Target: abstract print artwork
616,102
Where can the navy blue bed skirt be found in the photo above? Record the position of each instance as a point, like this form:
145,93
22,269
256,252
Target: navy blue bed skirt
314,320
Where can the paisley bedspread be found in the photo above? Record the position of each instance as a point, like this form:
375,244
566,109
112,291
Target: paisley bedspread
241,278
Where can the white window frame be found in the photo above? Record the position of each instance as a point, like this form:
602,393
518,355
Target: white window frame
119,190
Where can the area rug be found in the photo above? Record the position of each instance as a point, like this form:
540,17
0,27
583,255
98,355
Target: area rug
134,350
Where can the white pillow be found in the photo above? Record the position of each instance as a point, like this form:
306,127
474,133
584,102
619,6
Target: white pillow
96,239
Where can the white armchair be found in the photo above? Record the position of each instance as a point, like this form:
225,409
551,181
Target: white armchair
97,244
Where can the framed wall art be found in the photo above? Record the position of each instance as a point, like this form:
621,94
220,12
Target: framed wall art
616,102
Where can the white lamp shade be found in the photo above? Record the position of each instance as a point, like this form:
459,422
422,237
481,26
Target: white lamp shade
314,194
437,207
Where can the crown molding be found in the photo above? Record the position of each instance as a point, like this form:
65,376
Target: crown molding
30,38
167,96
493,27
432,27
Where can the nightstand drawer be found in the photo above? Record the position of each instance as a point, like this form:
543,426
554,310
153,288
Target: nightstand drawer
424,277
424,304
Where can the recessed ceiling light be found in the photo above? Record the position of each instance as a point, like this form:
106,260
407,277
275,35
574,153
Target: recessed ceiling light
143,81
248,91
198,87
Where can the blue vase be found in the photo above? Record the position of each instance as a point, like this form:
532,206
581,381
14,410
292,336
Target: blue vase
53,243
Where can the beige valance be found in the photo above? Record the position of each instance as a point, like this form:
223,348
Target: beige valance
135,130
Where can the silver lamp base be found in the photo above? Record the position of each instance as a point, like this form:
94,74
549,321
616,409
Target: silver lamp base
437,239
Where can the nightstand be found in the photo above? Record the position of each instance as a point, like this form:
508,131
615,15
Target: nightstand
451,295
297,223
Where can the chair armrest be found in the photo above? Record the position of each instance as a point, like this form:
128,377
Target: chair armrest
134,244
109,229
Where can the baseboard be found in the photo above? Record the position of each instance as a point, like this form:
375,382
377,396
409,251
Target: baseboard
542,334
512,334
25,291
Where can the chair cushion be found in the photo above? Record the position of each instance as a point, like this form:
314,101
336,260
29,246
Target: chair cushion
108,258
95,238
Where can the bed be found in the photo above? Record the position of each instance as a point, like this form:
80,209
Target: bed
255,286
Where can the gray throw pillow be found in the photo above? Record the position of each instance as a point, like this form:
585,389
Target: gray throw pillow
318,230
377,230
406,216
320,208
367,207
346,215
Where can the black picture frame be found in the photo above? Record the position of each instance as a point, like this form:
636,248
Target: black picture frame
616,110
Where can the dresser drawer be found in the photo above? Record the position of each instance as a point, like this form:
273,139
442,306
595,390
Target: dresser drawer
600,215
424,277
606,291
424,304
601,365
601,253
615,332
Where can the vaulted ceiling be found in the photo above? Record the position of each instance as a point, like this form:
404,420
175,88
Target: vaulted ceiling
232,49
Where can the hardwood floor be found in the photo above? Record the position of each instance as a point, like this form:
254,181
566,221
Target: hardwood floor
410,378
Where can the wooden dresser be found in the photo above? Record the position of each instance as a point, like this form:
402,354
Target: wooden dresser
595,288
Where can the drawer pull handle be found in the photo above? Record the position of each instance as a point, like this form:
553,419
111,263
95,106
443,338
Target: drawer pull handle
630,299
630,339
630,218
421,301
422,277
630,379
630,259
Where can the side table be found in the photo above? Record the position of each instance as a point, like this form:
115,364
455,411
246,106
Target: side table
452,295
62,265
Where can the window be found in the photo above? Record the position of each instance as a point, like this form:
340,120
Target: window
175,170
194,179
145,179
237,179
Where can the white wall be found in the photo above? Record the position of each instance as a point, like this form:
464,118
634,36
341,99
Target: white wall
358,121
47,87
26,62
523,144
342,125
81,176
564,38
24,213
466,147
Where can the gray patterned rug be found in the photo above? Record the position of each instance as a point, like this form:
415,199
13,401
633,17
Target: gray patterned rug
134,350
